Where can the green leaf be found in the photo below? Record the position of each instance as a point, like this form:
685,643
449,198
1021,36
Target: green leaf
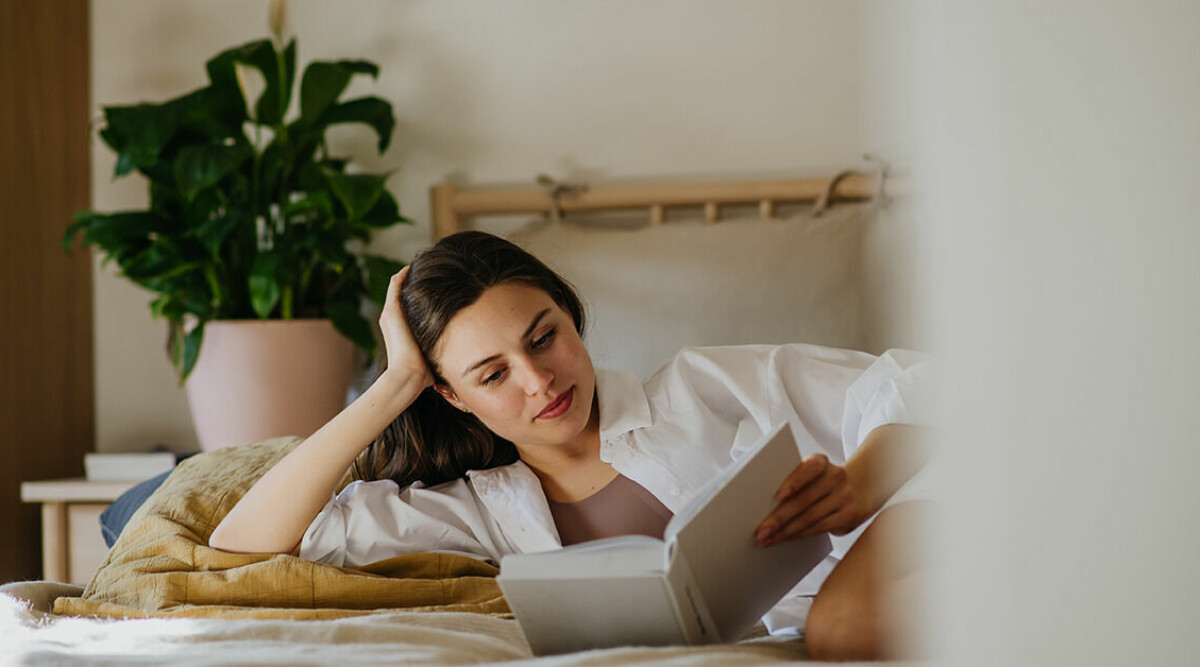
210,218
210,112
384,213
191,351
289,77
370,110
379,273
311,176
202,166
347,320
357,192
264,285
278,72
324,82
331,248
220,68
138,133
314,201
213,232
82,220
166,307
125,162
114,232
155,264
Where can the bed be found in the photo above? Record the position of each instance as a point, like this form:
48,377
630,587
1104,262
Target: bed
162,595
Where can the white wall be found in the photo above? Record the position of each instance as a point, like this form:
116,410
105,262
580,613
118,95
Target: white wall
1062,147
490,92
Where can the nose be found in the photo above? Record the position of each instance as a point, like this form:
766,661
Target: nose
536,378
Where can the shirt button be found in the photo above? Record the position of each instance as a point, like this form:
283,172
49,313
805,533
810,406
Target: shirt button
628,456
675,490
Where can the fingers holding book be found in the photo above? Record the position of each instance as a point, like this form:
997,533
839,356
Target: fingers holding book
817,497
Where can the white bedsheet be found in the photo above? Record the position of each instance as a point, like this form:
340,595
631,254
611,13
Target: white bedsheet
29,635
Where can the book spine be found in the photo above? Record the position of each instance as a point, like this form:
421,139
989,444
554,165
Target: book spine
691,612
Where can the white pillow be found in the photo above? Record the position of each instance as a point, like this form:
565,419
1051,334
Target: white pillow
655,289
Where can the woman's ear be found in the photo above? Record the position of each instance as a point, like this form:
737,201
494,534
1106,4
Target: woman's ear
448,394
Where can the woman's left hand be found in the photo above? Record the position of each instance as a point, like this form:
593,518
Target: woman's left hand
816,497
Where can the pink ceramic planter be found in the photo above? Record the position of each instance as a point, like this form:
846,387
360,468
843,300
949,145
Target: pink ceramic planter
260,379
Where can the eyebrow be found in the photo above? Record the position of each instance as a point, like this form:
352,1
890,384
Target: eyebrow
533,325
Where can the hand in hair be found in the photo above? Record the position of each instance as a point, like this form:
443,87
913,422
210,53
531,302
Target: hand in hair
403,355
273,515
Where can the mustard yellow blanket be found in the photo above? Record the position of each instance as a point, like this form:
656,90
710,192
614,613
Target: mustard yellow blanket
161,566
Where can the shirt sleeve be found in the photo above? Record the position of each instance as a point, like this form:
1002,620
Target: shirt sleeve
371,521
894,389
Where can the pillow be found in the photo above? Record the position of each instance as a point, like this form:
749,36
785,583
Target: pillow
161,564
654,289
115,516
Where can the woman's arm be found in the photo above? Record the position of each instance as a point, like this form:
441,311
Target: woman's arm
273,515
819,496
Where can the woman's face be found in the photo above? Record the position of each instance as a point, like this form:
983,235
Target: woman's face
514,359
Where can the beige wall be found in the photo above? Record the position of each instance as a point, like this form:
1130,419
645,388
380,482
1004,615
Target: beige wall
892,92
491,92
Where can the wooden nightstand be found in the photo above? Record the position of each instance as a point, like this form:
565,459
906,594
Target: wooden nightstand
72,544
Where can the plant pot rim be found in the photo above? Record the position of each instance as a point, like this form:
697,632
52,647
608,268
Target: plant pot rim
274,320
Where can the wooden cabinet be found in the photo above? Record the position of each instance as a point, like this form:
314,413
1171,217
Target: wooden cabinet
72,544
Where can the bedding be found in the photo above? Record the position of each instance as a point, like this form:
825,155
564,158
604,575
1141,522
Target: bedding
161,564
162,596
30,635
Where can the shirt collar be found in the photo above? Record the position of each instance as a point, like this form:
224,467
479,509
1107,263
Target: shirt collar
622,401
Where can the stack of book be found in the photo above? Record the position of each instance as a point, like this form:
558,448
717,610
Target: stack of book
126,466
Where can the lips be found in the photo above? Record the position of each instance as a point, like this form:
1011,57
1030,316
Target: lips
558,406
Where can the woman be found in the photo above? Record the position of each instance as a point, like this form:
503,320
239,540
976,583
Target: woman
489,432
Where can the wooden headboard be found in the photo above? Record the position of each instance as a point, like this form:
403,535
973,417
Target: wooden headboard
452,206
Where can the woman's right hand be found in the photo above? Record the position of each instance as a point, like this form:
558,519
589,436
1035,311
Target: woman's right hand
403,355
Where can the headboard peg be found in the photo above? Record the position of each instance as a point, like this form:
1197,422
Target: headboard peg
445,217
658,214
712,212
766,209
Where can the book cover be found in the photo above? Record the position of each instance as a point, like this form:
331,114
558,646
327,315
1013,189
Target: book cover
706,581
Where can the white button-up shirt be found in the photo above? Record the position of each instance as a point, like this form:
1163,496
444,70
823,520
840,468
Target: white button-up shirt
671,434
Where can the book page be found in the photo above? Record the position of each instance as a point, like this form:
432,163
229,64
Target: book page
738,580
701,498
625,555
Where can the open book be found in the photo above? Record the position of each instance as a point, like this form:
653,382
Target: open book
706,581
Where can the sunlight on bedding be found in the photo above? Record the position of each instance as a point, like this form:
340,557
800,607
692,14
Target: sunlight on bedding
29,636
33,637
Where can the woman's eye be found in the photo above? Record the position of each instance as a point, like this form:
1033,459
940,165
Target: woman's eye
494,377
545,339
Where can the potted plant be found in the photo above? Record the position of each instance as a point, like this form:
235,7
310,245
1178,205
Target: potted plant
252,224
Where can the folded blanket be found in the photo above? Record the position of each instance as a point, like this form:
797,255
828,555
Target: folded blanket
161,565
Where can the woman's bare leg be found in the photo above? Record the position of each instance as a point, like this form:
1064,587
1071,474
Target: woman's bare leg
869,608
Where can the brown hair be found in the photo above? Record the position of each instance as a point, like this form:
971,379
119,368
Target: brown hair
432,441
